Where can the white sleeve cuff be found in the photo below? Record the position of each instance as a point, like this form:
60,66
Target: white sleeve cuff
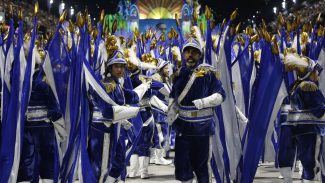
156,102
212,100
124,112
141,90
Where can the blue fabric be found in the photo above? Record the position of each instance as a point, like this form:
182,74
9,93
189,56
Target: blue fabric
38,152
9,125
246,67
164,131
145,141
117,155
313,101
302,137
261,110
70,157
134,132
95,148
192,155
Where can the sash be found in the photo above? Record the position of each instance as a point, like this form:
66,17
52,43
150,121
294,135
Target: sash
187,88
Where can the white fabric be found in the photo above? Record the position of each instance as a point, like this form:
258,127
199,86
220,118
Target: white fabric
142,89
286,174
269,152
134,165
321,62
18,143
152,155
210,101
105,157
143,167
8,66
102,58
99,90
241,117
47,67
188,181
232,134
59,126
308,181
238,88
165,90
172,113
160,160
2,61
156,102
126,124
187,88
160,133
110,179
47,181
124,112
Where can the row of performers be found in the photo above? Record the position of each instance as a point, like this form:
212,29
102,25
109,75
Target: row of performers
85,105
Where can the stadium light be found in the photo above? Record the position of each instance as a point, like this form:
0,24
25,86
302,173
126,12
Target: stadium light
61,7
284,4
71,11
51,2
294,1
274,10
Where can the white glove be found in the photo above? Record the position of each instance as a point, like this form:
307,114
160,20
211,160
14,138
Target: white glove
210,101
59,126
126,124
198,103
142,89
240,116
156,102
124,112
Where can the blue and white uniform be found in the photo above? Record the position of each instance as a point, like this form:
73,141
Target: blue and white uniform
39,157
194,125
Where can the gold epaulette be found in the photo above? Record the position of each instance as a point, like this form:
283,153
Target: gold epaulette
202,71
110,86
308,86
142,78
157,77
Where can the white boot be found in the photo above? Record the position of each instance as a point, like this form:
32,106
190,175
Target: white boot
47,181
286,174
189,181
153,155
134,165
143,167
308,181
160,160
300,168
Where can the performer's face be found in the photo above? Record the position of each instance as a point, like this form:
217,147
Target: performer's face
165,71
191,56
118,70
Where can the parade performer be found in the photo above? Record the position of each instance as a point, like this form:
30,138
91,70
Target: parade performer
107,142
161,139
307,109
195,92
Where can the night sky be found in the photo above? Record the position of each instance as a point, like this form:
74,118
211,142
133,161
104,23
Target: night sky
221,8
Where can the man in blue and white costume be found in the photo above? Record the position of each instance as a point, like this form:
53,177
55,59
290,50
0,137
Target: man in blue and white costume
307,105
106,140
43,120
161,133
195,92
